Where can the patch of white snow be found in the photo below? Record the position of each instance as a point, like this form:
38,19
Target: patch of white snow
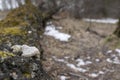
59,60
115,60
109,51
94,75
108,20
101,72
81,62
97,60
63,77
51,31
66,57
118,50
72,66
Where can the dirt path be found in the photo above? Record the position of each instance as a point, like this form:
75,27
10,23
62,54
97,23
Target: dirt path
70,58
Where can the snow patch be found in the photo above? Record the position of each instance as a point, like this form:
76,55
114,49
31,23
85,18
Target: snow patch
63,77
109,51
59,60
115,60
97,60
107,20
114,57
51,31
117,50
101,72
94,75
66,57
72,66
82,62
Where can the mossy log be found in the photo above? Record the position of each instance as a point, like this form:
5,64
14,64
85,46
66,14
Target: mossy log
23,25
19,22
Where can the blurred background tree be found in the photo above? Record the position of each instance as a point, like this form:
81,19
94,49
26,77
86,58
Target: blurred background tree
75,8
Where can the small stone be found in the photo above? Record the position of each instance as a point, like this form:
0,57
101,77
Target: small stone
29,32
27,51
14,75
97,60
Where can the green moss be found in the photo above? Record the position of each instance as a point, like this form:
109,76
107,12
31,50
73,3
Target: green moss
109,38
27,75
14,28
12,31
6,54
24,14
112,41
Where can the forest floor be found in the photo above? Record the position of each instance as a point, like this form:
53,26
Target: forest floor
85,56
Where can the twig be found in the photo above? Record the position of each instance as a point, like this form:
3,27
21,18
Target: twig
77,75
